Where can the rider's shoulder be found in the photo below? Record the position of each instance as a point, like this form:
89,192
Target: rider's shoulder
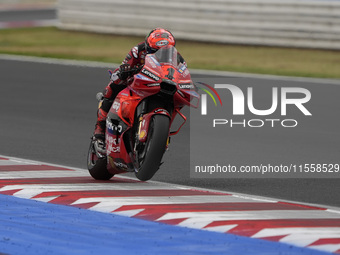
137,49
141,46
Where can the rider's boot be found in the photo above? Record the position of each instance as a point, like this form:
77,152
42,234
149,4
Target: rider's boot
99,132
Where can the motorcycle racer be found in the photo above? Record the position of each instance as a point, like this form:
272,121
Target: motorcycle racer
155,40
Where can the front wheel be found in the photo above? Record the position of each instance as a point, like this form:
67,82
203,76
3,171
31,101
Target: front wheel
154,148
97,166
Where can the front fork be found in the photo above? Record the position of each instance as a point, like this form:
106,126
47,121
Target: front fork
144,122
142,133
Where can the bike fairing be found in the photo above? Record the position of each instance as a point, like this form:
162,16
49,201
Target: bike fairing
159,88
135,58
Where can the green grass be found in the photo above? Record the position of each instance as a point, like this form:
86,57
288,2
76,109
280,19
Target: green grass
55,43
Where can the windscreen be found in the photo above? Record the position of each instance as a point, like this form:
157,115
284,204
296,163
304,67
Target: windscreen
167,55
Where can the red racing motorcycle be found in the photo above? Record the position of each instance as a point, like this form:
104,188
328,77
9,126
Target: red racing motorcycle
139,121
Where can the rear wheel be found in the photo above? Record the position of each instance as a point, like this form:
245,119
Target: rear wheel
97,166
150,154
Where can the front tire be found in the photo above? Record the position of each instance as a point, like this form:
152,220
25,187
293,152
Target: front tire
97,166
154,148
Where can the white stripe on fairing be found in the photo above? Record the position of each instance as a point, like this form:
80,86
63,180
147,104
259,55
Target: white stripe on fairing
249,215
300,236
109,204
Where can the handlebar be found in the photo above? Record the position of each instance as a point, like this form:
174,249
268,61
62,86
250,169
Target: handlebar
123,75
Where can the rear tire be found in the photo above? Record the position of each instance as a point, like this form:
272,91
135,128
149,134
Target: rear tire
155,147
97,166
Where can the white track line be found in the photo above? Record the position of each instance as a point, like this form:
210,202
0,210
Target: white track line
192,71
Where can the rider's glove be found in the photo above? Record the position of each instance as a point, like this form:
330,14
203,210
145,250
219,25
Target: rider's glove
124,71
137,68
113,75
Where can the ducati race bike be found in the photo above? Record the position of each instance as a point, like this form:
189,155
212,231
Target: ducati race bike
138,124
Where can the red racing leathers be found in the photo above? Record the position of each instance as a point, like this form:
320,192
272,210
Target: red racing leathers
135,57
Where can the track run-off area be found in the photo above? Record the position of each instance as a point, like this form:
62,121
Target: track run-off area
207,221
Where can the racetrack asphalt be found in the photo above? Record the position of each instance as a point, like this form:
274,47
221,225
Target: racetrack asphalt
48,112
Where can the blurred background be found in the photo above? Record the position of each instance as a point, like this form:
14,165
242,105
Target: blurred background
293,37
292,23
